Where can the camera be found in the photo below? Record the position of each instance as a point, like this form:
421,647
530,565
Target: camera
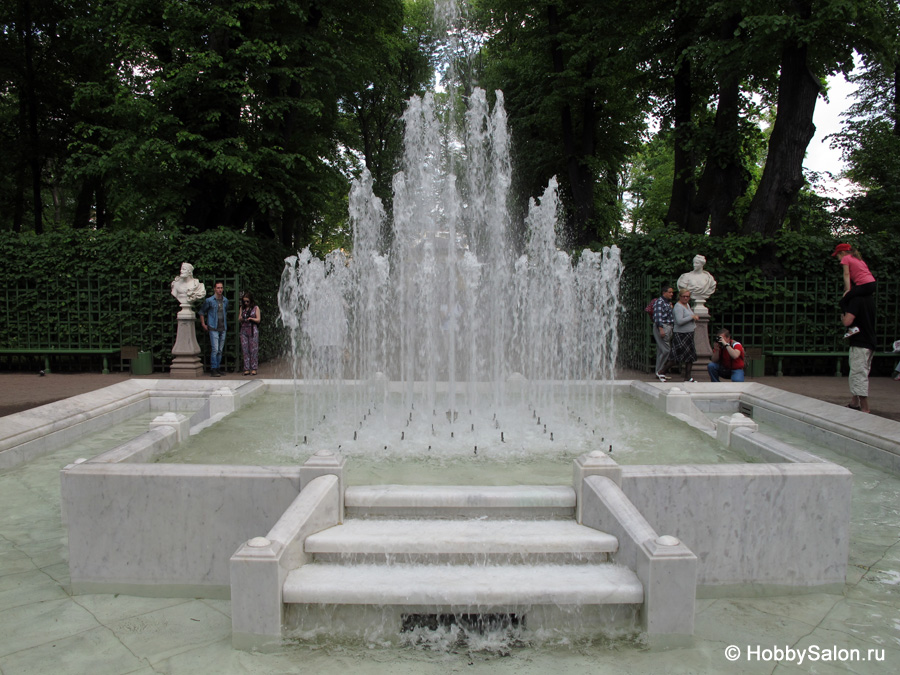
720,340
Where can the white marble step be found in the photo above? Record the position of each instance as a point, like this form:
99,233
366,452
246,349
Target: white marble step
452,501
442,540
489,587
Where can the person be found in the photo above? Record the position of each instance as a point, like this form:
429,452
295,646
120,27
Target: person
727,359
858,280
860,312
699,282
683,336
185,287
213,314
663,324
896,375
249,320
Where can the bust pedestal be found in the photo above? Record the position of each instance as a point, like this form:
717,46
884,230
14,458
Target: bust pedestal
186,352
701,335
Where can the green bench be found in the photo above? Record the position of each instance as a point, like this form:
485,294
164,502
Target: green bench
839,358
50,351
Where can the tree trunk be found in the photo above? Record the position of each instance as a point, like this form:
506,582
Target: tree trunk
683,187
724,179
897,100
19,201
82,215
581,180
782,178
28,109
101,211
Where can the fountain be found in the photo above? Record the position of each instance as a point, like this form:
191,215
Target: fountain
447,341
134,528
450,303
445,331
437,331
261,534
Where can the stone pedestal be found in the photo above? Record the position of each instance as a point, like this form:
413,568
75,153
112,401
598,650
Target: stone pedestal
186,352
702,344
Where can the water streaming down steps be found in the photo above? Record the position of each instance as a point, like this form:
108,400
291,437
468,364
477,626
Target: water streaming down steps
503,557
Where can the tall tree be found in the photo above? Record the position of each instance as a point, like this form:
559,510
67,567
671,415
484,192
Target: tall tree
709,75
816,39
225,114
39,62
404,66
870,138
575,99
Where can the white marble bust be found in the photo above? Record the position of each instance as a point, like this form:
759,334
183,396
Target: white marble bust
186,288
698,281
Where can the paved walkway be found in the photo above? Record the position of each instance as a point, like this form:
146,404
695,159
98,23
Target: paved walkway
20,391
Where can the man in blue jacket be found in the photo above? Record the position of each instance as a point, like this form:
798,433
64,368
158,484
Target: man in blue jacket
663,325
212,318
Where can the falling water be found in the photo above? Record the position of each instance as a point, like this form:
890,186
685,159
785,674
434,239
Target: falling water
449,311
449,302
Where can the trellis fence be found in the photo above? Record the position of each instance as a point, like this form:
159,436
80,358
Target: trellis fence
771,315
67,314
780,315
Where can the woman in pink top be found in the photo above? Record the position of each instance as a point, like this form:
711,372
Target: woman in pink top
858,280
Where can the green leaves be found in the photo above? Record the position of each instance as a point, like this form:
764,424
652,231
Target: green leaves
195,115
116,261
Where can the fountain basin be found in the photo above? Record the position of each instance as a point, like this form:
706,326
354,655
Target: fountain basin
169,530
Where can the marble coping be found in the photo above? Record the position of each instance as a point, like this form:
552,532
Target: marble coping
840,420
665,566
139,528
32,433
774,526
259,567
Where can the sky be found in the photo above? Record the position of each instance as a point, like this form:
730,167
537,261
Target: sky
819,156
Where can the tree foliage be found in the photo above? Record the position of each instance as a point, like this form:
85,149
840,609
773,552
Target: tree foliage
251,115
870,139
575,99
195,115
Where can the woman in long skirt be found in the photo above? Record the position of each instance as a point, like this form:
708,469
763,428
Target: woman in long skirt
683,336
250,318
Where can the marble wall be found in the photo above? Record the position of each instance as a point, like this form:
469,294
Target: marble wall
167,530
666,567
751,524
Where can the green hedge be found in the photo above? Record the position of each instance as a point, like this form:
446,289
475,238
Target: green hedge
780,293
736,259
61,262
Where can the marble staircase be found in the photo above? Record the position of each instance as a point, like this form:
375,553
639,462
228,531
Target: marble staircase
449,551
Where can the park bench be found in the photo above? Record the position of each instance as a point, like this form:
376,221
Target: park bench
838,356
47,352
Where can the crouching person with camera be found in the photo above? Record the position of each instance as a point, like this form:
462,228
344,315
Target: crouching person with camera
727,359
